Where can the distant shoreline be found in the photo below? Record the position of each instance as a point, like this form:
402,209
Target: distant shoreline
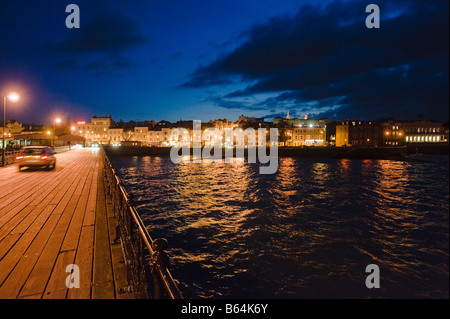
389,153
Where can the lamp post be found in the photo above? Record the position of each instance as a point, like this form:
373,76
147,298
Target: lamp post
13,97
57,121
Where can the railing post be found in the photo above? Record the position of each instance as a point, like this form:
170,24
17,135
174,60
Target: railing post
159,260
130,203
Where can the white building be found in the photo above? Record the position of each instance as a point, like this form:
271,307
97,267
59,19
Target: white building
94,131
115,136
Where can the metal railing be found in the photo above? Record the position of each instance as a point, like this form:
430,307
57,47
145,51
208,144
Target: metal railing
10,156
60,149
147,261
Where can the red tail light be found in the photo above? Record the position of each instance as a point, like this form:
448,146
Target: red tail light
43,157
19,157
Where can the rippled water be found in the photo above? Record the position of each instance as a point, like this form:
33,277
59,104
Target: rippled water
308,231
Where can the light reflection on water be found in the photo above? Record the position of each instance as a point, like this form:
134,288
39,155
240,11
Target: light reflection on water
307,231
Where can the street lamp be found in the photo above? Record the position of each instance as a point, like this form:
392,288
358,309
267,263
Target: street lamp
57,121
13,97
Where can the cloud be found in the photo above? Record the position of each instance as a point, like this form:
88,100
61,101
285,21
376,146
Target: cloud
327,56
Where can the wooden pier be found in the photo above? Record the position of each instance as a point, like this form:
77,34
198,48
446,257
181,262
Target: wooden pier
50,219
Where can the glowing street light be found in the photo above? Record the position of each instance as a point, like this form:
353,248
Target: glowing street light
14,97
57,121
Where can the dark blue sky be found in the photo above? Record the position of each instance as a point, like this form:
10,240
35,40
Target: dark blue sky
209,59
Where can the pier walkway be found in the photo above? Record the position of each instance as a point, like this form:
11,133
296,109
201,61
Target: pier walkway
50,219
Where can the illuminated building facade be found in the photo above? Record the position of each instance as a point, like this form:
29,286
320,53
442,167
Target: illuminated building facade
393,134
115,136
94,131
308,136
342,134
291,132
423,132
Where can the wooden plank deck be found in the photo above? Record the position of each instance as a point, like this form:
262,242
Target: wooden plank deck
50,219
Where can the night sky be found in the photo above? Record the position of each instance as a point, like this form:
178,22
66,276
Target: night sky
211,59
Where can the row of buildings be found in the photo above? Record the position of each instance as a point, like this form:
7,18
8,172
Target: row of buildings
17,135
389,133
292,132
105,131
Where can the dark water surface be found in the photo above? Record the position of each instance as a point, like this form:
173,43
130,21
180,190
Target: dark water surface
308,231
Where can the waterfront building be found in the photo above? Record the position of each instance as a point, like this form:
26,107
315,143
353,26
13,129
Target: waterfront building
94,131
358,133
115,136
165,136
342,137
424,132
300,132
308,136
141,134
393,133
365,133
153,137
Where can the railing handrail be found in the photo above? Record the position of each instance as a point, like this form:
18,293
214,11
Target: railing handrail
148,242
162,273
